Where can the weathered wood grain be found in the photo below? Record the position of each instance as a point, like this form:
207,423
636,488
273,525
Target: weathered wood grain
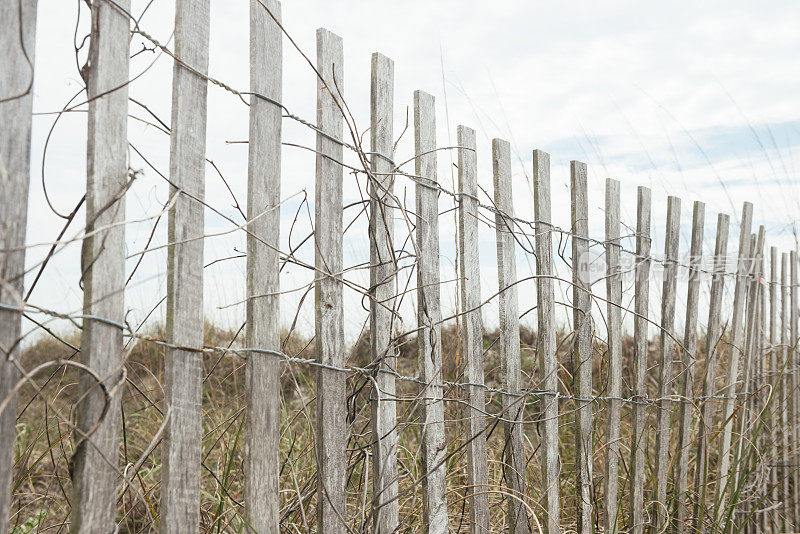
614,356
686,376
332,432
95,471
262,382
548,361
794,362
785,391
735,351
180,492
514,461
17,40
775,368
429,316
472,332
666,358
640,328
383,269
713,351
746,413
582,347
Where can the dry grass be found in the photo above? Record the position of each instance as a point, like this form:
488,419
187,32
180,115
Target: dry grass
44,446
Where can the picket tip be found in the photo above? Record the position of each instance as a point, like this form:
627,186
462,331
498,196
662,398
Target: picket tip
324,35
273,6
379,59
500,144
423,97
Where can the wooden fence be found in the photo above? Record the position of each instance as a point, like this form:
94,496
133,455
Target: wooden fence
585,446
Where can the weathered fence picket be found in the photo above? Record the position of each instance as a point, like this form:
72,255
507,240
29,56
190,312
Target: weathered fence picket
761,388
262,330
582,346
713,350
774,381
794,403
382,285
183,369
614,323
332,434
735,350
95,471
429,315
687,373
744,416
548,361
472,332
514,460
640,328
17,40
666,358
785,391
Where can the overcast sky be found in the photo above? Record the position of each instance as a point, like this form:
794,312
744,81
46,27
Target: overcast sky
693,99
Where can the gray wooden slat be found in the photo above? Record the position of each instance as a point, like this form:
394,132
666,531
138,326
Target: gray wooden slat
472,332
180,492
785,390
640,327
734,352
551,461
746,414
263,372
17,40
713,350
775,398
383,270
95,473
332,432
687,374
513,406
614,322
666,358
773,522
582,347
764,439
794,362
429,316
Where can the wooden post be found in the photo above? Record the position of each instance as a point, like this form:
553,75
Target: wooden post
687,375
514,461
551,461
263,387
785,391
582,346
472,332
794,420
640,324
429,315
734,354
614,312
382,291
761,386
17,40
713,350
331,439
95,471
743,443
663,403
180,493
775,368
